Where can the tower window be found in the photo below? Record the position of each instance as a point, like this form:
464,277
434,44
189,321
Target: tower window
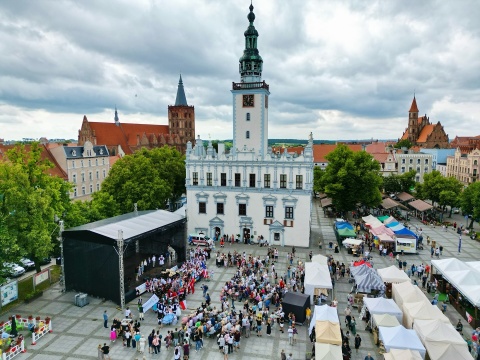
195,178
299,182
202,207
269,211
266,181
209,179
248,117
242,209
283,181
289,212
223,179
237,179
247,134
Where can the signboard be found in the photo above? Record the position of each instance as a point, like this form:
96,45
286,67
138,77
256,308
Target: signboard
140,289
41,277
8,292
150,302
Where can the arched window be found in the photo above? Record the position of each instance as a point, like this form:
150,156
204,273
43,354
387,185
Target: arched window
247,134
248,116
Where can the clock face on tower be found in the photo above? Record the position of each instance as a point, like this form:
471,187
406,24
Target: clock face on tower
248,101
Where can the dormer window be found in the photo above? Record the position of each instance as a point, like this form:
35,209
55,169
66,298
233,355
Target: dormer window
101,151
74,153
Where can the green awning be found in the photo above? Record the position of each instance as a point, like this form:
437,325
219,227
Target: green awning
383,218
346,232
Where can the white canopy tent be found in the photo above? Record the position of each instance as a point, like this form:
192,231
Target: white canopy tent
406,292
441,340
386,320
400,338
323,313
392,274
404,354
383,306
328,352
352,242
322,260
316,277
421,310
463,276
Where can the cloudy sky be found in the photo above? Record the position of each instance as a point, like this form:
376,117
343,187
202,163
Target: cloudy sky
341,69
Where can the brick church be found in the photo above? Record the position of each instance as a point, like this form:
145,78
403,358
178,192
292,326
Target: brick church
422,133
125,138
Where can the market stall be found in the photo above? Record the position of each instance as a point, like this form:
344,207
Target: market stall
421,310
383,306
441,340
369,283
402,354
461,282
323,313
328,352
392,274
320,259
406,292
400,338
317,278
327,332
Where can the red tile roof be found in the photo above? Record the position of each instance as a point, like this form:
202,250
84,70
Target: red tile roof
56,170
380,157
322,150
292,149
126,135
426,131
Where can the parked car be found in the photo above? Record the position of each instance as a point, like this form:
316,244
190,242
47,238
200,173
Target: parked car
198,239
456,210
45,261
13,270
27,264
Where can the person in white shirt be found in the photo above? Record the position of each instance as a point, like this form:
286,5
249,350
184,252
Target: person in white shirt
128,313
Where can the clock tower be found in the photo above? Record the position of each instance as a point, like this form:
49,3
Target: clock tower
250,98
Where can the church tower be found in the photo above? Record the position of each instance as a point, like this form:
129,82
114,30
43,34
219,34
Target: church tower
413,126
181,117
250,98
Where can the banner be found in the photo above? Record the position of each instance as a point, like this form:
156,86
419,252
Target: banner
41,277
150,302
140,289
9,293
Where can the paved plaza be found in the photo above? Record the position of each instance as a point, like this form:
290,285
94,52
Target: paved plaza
78,331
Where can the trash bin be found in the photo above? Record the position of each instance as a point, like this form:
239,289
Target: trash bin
81,300
58,261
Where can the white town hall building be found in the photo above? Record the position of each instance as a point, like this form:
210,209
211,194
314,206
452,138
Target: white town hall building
250,191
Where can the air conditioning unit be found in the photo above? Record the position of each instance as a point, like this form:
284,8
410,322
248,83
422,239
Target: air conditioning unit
288,223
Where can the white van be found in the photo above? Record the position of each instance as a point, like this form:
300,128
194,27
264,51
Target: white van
198,239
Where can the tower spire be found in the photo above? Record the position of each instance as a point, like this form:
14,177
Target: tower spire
251,62
117,120
181,99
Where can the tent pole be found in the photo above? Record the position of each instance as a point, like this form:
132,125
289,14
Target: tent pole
121,269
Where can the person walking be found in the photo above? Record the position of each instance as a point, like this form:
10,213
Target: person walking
283,356
105,319
369,357
156,344
358,342
141,344
290,335
140,312
269,327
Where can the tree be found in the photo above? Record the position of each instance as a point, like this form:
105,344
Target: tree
470,201
317,179
149,178
31,199
407,181
351,178
405,143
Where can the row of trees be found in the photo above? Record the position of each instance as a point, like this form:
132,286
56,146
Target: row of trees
353,178
32,201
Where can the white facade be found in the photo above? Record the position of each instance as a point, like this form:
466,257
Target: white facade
250,191
421,163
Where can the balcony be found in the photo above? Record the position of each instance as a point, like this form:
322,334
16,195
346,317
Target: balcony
250,86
